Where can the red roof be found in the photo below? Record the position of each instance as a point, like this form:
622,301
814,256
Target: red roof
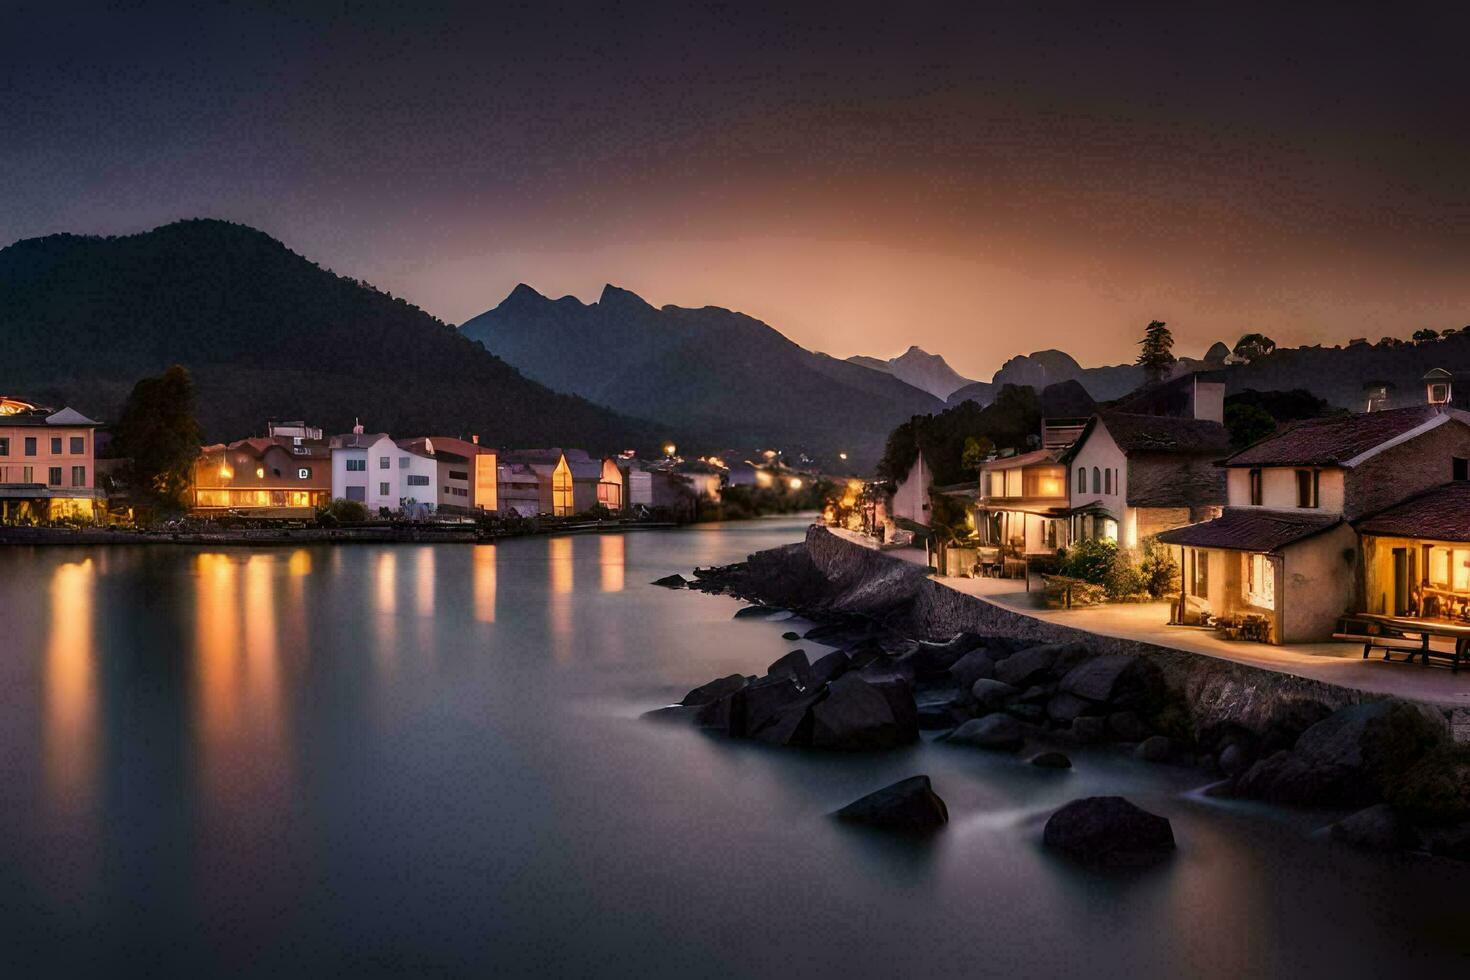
1441,514
1251,529
1335,440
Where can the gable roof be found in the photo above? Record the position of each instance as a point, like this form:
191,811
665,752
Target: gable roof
1439,514
1251,529
1138,434
1341,440
1034,458
70,416
357,440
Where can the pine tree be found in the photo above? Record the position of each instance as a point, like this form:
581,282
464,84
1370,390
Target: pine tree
1157,355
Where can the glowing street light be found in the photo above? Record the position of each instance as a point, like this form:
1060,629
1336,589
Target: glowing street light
669,448
795,483
842,456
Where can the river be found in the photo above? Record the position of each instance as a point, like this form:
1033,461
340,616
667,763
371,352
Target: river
429,760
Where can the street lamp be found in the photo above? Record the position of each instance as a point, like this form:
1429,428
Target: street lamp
669,448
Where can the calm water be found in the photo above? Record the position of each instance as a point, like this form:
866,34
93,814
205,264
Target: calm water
428,760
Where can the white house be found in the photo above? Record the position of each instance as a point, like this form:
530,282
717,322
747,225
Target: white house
911,498
417,470
358,472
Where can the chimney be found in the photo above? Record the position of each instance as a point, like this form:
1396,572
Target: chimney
356,427
1437,388
474,440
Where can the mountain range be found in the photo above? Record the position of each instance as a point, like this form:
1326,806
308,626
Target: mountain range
265,334
916,366
728,378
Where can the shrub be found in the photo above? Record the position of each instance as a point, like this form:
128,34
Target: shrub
342,511
1158,569
1089,560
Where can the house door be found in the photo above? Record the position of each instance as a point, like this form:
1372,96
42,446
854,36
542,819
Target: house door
1402,572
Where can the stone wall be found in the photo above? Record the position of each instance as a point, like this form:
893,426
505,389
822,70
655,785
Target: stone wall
1214,692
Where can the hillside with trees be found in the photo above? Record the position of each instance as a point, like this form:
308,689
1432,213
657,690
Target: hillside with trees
264,333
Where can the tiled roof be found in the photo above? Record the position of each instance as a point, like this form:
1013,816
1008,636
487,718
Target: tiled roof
1251,529
1441,514
1034,458
1334,440
1165,434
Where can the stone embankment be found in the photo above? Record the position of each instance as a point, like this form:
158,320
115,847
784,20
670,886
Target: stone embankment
913,655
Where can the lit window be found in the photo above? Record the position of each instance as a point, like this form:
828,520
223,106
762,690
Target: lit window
1260,584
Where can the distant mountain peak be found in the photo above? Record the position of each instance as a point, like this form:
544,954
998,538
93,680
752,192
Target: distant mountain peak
620,297
917,367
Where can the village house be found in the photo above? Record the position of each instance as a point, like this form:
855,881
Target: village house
610,486
362,469
517,490
568,480
911,496
1136,472
47,468
1285,553
285,474
467,477
1022,499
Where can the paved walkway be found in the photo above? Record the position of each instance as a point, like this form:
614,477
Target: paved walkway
1333,662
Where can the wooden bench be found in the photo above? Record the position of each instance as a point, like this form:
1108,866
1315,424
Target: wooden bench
1409,636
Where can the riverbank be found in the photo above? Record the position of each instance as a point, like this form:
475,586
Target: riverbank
416,533
996,678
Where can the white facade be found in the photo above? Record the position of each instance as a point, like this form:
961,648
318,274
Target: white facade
637,486
1098,474
1279,488
911,498
354,470
417,474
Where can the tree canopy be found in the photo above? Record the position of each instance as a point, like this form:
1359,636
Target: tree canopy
158,434
1012,421
1157,355
1253,346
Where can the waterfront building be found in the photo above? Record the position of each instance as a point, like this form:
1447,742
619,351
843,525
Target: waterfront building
1022,505
362,470
518,490
417,473
610,486
47,464
468,477
1286,550
1151,464
911,496
285,474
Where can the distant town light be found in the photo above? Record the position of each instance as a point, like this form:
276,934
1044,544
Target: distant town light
669,448
796,483
842,455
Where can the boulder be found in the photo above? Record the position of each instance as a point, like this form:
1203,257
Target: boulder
1032,714
828,668
1108,830
1451,842
1233,759
1099,678
1070,655
1126,726
857,714
1285,777
752,612
684,713
1378,828
672,581
1155,748
1022,668
1064,708
997,731
791,635
764,704
909,805
721,715
794,666
991,694
1090,728
972,667
1051,760
1037,694
715,689
788,724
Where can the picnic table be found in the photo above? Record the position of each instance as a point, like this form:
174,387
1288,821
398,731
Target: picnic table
1412,636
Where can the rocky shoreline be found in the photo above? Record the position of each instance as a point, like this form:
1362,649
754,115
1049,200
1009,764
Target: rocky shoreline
900,666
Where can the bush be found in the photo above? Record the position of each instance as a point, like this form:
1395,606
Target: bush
342,511
1089,560
1124,579
1159,570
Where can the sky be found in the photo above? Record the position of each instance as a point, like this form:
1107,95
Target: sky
980,179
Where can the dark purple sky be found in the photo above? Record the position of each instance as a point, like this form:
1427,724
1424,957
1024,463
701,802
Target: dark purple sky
980,179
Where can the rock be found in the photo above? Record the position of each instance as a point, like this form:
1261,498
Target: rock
1097,679
828,668
751,612
764,705
1126,726
684,713
997,731
857,714
1155,748
1037,694
941,716
1108,830
1451,842
1033,714
794,666
715,689
790,724
1232,759
1051,760
1285,777
972,667
1378,827
721,715
991,694
672,581
791,635
1070,655
1090,728
909,804
1064,708
1020,669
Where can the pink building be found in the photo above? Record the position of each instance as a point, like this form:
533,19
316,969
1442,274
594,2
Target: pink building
47,463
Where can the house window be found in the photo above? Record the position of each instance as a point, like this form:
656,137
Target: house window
1096,480
1439,393
402,463
78,476
1307,483
27,474
417,480
53,476
1460,468
997,483
5,446
304,473
1081,479
357,493
1255,478
30,445
382,489
1260,582
356,466
78,445
56,445
459,474
1108,481
383,463
1199,574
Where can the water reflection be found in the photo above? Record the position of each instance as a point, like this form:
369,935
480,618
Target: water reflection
610,555
484,582
71,688
386,578
560,569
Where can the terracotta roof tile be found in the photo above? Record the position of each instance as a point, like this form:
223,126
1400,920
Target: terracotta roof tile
1441,514
1334,440
1251,529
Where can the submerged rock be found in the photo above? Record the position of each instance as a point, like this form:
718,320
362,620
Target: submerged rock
751,612
861,714
1051,760
675,581
675,712
791,635
909,804
1021,669
1155,748
998,731
794,666
1108,830
715,689
1378,827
